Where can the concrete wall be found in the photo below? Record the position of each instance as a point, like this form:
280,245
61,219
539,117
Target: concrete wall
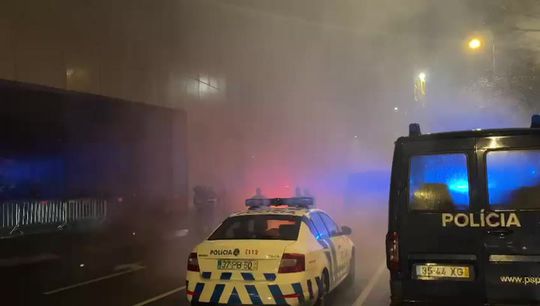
128,49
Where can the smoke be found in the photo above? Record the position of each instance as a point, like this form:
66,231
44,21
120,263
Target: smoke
318,91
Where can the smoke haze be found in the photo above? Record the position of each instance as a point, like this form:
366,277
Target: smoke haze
316,91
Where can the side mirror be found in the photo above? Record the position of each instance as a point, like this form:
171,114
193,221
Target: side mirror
345,230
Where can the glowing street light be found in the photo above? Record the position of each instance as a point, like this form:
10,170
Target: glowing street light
475,43
420,86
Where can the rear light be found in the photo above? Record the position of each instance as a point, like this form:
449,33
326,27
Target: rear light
193,263
291,296
392,251
291,263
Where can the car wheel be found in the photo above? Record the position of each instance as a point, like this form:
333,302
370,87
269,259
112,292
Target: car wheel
321,300
349,281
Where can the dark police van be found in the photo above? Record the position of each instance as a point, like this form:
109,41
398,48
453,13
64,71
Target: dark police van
464,217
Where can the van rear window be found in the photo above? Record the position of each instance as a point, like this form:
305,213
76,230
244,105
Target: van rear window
514,179
439,182
266,227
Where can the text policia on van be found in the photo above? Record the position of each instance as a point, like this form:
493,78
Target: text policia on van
482,219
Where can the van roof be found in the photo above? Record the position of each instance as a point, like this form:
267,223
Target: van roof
470,134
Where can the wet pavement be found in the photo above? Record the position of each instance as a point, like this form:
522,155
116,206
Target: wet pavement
158,278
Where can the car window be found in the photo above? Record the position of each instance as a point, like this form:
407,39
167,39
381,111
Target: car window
514,179
311,227
439,182
319,225
332,227
258,227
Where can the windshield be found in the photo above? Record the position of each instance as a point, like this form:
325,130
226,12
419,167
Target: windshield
263,227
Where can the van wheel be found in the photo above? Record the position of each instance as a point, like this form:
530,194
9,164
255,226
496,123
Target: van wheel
321,300
349,281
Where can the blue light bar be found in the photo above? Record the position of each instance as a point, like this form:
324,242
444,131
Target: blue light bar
298,201
291,202
257,202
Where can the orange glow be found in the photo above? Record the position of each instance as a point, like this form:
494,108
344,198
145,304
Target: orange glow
475,43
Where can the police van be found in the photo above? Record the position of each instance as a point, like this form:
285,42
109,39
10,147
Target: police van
280,251
464,217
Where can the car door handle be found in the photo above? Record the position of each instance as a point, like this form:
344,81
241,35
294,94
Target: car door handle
501,232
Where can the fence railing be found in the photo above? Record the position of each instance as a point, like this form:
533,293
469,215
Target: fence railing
18,216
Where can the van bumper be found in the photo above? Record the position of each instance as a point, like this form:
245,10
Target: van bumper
453,303
432,303
397,297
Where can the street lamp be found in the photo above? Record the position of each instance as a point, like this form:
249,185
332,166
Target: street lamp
475,43
420,86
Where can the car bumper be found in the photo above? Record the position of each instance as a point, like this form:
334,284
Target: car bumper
214,304
201,291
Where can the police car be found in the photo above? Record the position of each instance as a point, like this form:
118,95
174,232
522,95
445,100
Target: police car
464,218
278,252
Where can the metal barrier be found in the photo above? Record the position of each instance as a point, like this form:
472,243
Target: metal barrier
16,216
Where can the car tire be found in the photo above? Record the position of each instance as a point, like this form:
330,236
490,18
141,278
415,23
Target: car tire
321,300
351,277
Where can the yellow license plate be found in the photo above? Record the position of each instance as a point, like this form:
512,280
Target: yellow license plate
435,271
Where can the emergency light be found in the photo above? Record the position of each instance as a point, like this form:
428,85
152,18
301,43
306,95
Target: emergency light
535,121
414,129
254,203
304,202
296,201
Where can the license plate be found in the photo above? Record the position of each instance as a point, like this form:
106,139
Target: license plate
237,264
434,271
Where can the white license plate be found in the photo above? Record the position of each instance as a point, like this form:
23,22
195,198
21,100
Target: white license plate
434,271
237,265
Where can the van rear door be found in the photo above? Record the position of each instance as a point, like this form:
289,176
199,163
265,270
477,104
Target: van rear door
512,238
438,249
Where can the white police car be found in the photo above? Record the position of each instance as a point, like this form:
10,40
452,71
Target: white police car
278,252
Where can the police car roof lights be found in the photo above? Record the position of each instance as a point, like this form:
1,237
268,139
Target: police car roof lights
254,203
300,202
296,201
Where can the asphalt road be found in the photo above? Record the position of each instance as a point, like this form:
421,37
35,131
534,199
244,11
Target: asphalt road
158,279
